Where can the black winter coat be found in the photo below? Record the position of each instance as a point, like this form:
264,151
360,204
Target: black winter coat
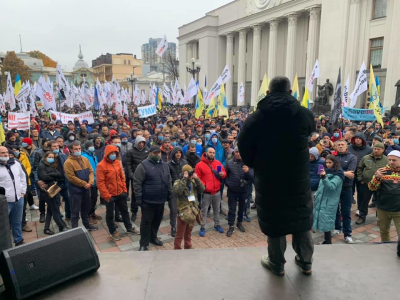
278,152
175,168
47,173
234,174
192,160
133,158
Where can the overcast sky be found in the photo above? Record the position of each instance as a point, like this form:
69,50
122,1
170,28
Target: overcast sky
58,27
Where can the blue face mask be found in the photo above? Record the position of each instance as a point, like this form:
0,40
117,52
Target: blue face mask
396,141
207,136
336,135
112,157
174,144
24,145
56,151
50,160
77,153
160,138
124,141
193,142
214,140
91,149
16,153
198,143
118,145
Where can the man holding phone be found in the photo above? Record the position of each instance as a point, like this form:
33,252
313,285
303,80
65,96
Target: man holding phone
211,172
348,163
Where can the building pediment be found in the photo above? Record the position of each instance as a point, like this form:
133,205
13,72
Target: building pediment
255,6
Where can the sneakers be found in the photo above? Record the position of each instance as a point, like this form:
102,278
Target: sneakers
133,231
357,213
21,242
219,229
115,236
42,218
34,207
26,228
336,232
266,264
134,217
348,240
96,217
202,232
92,228
173,231
48,232
360,221
240,227
305,271
231,230
246,218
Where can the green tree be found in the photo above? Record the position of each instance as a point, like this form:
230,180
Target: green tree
47,61
15,66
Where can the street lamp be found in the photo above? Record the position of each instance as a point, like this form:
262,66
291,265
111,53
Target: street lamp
131,80
194,68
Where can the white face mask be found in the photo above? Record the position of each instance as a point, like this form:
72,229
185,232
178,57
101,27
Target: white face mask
4,159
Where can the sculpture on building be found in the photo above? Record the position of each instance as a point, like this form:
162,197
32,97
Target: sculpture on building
324,92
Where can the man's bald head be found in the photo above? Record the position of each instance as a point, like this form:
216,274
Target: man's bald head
3,153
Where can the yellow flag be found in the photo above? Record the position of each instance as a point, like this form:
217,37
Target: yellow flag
222,104
199,104
306,99
295,88
211,108
262,93
2,136
375,101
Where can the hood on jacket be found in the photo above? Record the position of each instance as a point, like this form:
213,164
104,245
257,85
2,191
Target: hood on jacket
108,150
361,136
279,103
71,133
138,140
174,151
314,151
205,159
112,132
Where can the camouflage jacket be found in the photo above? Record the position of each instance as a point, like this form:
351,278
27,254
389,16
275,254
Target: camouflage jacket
181,190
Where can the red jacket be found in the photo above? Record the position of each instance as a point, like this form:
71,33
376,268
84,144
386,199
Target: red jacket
210,181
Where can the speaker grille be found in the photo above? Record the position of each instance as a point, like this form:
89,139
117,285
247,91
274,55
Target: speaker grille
47,262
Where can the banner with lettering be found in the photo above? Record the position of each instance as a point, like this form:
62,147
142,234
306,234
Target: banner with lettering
20,121
358,114
88,116
147,111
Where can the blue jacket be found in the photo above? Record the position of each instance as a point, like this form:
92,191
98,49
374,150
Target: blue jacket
199,149
326,203
93,162
219,151
47,134
314,176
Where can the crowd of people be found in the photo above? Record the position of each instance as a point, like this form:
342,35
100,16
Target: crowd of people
129,163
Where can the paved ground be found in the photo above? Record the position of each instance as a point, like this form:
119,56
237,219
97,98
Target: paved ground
367,233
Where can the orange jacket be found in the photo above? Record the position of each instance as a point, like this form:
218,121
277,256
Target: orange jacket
110,176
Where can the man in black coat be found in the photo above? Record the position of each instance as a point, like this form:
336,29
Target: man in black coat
282,182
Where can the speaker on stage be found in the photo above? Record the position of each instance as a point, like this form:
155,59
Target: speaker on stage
35,267
5,235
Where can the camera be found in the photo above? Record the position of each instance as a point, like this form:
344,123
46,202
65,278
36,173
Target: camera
191,173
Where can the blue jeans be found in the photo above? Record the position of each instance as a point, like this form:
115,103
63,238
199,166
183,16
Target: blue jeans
344,209
15,210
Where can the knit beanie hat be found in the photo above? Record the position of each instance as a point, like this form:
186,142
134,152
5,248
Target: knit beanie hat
187,168
28,141
379,145
88,144
314,151
326,134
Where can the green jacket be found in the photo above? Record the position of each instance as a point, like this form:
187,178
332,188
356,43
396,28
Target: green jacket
181,190
369,165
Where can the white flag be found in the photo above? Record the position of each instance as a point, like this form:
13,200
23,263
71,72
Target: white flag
143,97
153,94
179,98
10,93
162,47
44,92
361,85
136,95
241,93
226,74
314,74
345,97
60,78
167,93
191,91
23,92
215,90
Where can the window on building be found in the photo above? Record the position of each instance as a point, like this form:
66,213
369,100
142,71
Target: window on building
129,62
379,9
375,52
124,61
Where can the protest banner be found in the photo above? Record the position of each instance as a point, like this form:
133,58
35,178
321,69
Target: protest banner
88,115
20,121
147,111
358,114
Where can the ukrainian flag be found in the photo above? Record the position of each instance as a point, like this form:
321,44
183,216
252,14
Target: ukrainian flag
375,100
2,136
378,85
199,104
222,103
159,99
306,99
211,108
18,85
295,88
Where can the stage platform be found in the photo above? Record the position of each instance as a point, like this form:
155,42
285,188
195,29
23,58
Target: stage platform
339,272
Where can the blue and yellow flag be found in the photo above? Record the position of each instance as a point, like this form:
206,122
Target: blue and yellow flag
306,99
295,88
199,104
211,109
2,136
374,100
18,85
159,99
378,85
222,103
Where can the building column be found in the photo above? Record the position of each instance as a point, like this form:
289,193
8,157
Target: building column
291,46
273,41
352,60
189,47
255,70
195,50
241,63
312,45
229,63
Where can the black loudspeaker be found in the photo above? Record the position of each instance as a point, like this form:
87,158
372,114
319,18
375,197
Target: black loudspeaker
33,268
5,235
395,112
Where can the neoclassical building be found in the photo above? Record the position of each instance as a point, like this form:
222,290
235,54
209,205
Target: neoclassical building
286,37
